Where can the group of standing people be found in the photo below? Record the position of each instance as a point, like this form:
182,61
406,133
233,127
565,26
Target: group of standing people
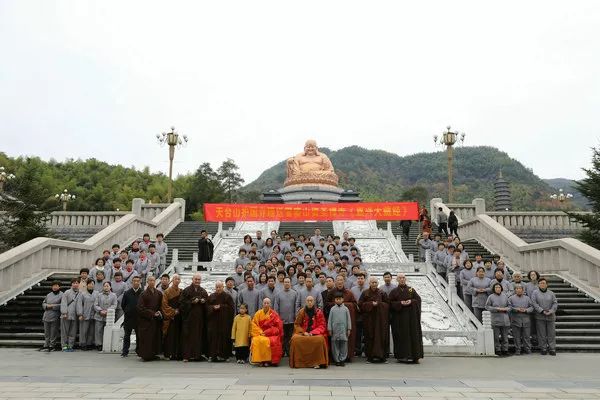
77,316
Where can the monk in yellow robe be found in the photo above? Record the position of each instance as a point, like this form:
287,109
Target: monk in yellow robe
267,336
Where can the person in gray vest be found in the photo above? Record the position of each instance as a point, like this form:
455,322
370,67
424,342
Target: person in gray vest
489,271
229,289
479,288
118,287
85,314
497,304
162,249
439,260
339,326
520,309
269,291
249,296
51,318
285,306
545,306
69,321
388,285
154,265
507,287
465,276
442,221
105,300
357,291
309,290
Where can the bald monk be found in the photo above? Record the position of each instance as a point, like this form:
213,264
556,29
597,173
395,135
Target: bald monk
172,320
193,319
149,322
267,336
220,312
308,346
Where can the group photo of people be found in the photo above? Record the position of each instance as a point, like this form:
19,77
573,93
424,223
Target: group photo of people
309,298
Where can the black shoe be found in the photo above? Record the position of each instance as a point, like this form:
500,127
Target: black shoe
342,364
527,351
544,352
505,353
552,352
124,355
43,348
99,348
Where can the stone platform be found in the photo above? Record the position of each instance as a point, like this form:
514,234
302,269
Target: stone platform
28,374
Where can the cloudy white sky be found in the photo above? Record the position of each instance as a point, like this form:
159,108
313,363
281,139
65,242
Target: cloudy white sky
251,80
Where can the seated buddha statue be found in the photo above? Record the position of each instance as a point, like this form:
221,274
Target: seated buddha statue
310,168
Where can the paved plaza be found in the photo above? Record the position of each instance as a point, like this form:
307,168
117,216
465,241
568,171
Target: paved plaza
28,374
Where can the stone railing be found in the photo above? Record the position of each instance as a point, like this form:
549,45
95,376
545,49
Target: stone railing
81,219
150,211
568,255
538,220
41,256
462,211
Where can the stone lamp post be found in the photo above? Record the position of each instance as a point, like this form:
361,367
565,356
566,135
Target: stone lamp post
449,139
173,140
4,177
65,197
561,196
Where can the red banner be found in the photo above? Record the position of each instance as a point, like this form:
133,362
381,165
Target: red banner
311,212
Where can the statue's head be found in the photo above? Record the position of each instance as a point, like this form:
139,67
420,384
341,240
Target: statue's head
310,148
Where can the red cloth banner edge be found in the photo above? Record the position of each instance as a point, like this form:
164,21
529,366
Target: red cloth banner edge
383,211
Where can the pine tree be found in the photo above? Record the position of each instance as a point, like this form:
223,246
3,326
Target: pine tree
590,188
230,178
23,218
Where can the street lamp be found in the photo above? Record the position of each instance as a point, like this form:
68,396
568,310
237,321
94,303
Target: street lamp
449,139
4,177
561,196
173,140
65,197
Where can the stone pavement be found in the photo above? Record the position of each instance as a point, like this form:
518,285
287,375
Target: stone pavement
27,374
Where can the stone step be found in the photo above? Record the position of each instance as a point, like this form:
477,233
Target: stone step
576,347
21,343
578,332
22,335
578,339
578,318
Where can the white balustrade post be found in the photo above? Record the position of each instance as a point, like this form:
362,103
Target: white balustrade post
108,328
479,204
488,334
389,226
195,260
220,226
182,207
136,206
451,288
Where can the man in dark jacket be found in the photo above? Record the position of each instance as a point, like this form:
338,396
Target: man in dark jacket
129,306
205,247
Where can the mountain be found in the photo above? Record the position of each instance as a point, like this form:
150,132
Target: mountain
381,175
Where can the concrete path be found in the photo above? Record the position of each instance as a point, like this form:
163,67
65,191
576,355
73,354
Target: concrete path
89,375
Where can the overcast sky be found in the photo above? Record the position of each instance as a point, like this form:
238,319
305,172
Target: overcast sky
252,80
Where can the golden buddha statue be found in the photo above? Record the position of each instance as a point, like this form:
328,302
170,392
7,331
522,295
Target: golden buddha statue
310,168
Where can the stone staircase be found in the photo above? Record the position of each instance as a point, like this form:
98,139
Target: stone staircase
21,318
76,234
306,228
577,318
185,237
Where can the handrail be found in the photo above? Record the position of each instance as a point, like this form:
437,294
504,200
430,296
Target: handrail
568,254
30,258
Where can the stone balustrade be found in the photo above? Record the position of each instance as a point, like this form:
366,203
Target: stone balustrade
545,220
463,212
41,256
560,255
150,211
80,219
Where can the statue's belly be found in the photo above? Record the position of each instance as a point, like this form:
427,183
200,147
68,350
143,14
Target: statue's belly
311,166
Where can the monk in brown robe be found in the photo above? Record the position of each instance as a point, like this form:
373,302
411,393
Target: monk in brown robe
221,311
350,303
193,315
308,346
172,321
149,322
405,306
375,311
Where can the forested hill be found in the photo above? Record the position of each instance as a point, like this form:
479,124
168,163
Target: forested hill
380,175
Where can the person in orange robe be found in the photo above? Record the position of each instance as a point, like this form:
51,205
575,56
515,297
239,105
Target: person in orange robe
267,336
308,347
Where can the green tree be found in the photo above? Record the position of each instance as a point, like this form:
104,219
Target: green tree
203,187
23,218
590,188
416,193
230,178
